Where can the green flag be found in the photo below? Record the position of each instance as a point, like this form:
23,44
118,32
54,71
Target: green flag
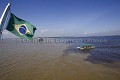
20,28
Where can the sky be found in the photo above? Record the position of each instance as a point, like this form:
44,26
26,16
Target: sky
55,18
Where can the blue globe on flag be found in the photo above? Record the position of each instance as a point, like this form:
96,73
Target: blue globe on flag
22,29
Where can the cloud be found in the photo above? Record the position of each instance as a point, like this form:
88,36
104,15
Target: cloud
85,33
62,32
44,30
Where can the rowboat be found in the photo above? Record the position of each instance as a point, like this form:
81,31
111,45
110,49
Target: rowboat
86,47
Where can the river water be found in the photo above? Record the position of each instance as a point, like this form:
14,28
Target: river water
53,59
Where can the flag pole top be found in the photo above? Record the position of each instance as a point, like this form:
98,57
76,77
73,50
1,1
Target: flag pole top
9,4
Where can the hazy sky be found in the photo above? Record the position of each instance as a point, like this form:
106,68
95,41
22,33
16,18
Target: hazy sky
68,17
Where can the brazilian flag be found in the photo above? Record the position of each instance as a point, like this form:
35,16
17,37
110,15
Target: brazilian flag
20,28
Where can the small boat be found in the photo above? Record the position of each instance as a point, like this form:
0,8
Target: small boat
86,47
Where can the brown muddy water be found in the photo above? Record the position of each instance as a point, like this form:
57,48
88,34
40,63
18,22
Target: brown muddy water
54,61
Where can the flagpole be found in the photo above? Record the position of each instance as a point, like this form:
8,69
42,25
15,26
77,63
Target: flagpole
4,19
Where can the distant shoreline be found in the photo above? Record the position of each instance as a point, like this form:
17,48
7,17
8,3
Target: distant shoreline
70,37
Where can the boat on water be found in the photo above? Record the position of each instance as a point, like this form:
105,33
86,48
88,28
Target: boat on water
86,47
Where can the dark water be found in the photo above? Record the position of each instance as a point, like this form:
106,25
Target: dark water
59,59
107,49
